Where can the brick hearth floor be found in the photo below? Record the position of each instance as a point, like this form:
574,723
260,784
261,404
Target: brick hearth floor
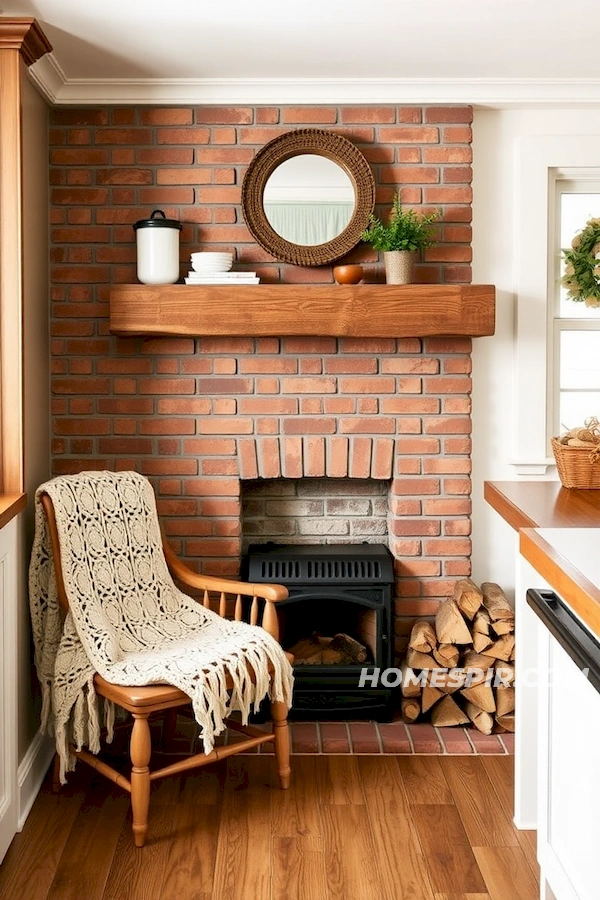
345,738
394,738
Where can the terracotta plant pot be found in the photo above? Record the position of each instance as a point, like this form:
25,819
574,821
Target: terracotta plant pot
348,274
399,266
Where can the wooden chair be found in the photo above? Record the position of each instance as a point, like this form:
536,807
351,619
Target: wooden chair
141,702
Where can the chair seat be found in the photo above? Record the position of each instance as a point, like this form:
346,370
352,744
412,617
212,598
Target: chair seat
139,697
150,697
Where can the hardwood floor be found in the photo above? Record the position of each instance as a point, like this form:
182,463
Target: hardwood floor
349,828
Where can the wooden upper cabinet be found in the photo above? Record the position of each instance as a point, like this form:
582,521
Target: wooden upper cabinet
24,35
362,310
21,42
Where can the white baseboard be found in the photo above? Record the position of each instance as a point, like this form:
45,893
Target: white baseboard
31,773
524,824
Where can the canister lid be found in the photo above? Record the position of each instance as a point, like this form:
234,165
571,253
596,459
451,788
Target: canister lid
157,223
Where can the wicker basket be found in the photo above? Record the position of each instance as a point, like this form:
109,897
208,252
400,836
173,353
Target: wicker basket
575,469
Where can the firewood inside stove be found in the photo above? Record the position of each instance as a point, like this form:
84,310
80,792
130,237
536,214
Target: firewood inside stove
317,650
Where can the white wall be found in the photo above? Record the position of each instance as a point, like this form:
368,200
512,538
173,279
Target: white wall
32,753
512,152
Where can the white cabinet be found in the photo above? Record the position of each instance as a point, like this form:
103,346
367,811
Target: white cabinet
567,616
568,777
568,752
8,685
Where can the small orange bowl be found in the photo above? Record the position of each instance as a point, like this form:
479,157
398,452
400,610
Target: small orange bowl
348,274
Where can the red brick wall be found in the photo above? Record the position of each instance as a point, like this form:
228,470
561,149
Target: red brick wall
174,409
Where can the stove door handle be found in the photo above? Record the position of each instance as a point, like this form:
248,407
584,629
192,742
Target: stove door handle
580,645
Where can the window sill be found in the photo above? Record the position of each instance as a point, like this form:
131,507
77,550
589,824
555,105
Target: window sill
532,467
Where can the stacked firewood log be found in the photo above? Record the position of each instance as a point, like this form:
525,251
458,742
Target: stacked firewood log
460,668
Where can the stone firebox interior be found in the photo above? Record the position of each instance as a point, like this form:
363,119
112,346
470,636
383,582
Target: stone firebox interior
202,416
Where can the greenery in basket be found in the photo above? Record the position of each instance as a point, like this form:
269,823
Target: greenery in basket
405,229
582,271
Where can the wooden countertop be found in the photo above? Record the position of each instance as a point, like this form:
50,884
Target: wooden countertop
543,504
569,561
10,505
559,535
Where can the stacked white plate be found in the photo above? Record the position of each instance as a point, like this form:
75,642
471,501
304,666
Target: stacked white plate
211,262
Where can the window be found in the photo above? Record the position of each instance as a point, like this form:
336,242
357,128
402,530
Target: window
574,363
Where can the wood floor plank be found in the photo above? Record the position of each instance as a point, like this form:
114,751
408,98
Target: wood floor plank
339,781
500,771
88,854
203,786
350,854
400,865
294,812
247,774
424,780
243,864
299,868
138,873
483,816
448,855
350,828
528,844
189,868
31,862
506,873
462,897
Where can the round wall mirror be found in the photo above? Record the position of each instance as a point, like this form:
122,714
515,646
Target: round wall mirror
307,196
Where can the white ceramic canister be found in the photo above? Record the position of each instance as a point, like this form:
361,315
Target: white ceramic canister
157,249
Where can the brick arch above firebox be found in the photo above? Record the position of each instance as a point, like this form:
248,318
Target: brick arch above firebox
314,456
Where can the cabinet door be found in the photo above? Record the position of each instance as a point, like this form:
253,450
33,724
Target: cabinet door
8,686
569,836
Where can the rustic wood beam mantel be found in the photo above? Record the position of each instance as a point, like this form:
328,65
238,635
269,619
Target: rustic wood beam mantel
363,310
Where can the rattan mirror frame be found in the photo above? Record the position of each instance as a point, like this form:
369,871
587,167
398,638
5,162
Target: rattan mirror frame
321,143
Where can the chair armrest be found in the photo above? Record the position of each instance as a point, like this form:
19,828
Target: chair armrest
273,593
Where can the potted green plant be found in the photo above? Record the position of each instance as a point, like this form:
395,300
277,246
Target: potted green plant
400,239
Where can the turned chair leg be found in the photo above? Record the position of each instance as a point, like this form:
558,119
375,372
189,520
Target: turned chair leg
282,742
140,776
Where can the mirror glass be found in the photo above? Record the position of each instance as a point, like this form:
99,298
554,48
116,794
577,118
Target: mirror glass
309,200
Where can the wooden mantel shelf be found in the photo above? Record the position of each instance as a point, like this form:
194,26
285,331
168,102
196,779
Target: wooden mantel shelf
362,310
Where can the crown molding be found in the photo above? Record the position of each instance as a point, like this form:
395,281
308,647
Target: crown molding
25,35
59,90
49,78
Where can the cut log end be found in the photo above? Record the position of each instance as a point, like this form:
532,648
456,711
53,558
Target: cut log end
468,597
450,625
423,637
411,707
447,713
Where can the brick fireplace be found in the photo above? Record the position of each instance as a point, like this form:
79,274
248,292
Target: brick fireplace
204,416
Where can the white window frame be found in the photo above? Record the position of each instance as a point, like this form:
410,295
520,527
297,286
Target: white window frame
541,160
565,182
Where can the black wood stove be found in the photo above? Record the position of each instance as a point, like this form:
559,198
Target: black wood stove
333,588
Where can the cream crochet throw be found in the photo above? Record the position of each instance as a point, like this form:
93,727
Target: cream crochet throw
128,621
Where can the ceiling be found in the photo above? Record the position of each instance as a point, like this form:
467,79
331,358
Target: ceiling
492,52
